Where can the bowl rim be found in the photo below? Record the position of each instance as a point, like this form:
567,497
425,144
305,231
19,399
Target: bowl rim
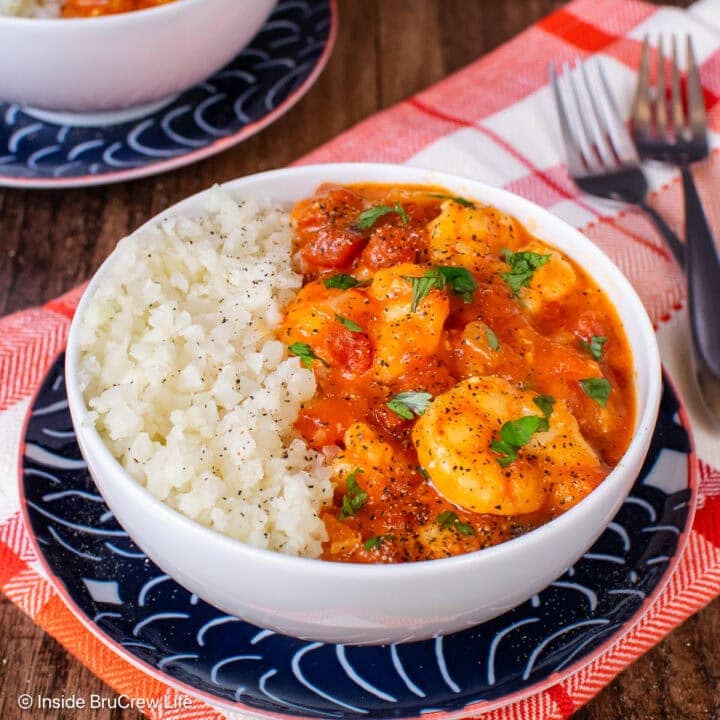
612,484
128,17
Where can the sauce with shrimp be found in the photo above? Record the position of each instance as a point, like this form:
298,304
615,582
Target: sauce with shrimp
472,381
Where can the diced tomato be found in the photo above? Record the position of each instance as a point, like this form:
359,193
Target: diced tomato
558,372
565,362
325,421
390,244
591,323
342,539
325,230
337,206
332,248
389,421
351,350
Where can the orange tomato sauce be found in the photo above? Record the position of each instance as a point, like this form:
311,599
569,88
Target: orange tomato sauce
95,8
513,346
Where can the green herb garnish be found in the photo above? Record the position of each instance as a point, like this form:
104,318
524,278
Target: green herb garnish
355,498
545,403
492,339
421,287
367,218
459,200
513,435
348,323
377,540
516,433
448,520
306,354
458,279
522,266
341,281
405,404
423,472
598,389
595,346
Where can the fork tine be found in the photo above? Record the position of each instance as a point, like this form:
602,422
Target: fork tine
620,137
677,118
573,153
695,101
641,116
583,132
596,121
660,109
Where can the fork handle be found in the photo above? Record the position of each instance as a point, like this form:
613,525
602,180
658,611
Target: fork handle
671,239
703,274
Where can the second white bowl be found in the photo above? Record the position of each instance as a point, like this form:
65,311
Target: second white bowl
122,61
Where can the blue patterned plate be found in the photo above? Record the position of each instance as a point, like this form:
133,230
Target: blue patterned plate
263,82
159,626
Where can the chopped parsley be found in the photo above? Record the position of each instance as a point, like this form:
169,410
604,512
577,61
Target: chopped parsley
516,433
459,200
492,339
522,266
423,472
306,354
367,218
458,279
409,404
595,346
355,498
421,287
598,389
341,281
348,323
448,520
376,541
545,403
513,435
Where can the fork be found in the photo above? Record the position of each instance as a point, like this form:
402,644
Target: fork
680,137
601,157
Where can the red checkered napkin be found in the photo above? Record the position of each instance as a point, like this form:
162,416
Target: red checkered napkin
493,121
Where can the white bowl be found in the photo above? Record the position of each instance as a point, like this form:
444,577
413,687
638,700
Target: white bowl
131,59
354,603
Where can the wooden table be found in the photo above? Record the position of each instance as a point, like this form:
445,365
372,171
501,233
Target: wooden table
52,240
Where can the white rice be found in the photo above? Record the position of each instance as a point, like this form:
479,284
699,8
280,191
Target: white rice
187,384
31,8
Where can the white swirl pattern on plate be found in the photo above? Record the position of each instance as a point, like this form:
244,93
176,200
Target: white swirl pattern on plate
160,623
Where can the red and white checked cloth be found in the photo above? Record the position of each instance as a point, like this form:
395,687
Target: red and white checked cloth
493,121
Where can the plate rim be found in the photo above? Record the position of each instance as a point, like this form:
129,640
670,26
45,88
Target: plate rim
472,709
214,148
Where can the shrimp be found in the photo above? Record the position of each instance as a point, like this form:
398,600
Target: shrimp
465,236
364,449
374,463
316,317
550,283
453,440
400,332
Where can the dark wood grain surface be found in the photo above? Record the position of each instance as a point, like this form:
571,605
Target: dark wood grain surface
52,240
